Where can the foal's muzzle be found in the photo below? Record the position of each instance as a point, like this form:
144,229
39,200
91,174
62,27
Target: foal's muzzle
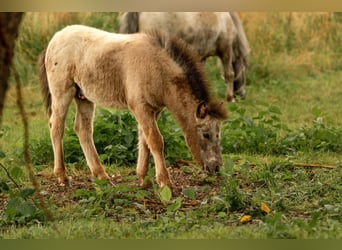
213,167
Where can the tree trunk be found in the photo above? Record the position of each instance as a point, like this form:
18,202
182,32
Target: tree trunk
9,24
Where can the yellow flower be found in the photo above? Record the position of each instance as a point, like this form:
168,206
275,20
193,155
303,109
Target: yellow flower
245,218
265,208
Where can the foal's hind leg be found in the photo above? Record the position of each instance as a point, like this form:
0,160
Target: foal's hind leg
84,131
59,108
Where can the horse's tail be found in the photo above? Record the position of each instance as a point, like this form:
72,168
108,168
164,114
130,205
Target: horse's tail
242,42
129,23
44,82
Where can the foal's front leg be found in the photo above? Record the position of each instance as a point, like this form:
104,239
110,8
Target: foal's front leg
143,159
146,118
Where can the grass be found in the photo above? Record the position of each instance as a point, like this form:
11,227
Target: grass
299,209
291,115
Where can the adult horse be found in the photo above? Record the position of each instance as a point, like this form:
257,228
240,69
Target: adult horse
210,34
141,72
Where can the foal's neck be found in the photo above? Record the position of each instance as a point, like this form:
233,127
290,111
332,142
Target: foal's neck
183,108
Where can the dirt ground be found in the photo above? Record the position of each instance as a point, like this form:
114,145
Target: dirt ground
182,178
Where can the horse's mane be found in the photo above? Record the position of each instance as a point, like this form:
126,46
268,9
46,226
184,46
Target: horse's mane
193,68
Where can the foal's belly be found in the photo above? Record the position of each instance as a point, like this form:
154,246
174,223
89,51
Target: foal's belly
107,95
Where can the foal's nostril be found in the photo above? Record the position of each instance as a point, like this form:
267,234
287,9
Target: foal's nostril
212,169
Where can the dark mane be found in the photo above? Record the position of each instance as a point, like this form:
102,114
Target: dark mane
188,59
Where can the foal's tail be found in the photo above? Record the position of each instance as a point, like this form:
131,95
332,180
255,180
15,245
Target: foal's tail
44,82
129,23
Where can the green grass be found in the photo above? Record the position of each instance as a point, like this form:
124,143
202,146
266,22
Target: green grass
304,204
291,115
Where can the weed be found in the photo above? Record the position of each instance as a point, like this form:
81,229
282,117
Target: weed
319,137
253,134
231,197
266,133
21,207
117,202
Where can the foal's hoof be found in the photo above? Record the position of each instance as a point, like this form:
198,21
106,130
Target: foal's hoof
231,99
64,182
145,183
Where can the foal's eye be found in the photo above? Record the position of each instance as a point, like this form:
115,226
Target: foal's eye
206,135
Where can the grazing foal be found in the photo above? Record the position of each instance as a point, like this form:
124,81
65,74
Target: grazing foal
140,72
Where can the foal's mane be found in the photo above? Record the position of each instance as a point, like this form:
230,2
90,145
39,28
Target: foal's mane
193,69
189,61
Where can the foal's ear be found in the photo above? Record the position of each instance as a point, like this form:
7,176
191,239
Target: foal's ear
202,110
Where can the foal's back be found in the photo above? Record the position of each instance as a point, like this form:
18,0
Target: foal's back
109,68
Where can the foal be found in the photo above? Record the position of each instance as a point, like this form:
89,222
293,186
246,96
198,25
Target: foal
140,72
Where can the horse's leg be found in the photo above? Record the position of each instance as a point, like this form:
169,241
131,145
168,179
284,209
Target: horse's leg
143,159
229,75
84,130
59,108
146,117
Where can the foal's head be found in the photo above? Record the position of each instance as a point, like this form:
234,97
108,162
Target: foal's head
208,135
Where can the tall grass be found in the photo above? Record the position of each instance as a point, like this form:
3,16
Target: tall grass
285,45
